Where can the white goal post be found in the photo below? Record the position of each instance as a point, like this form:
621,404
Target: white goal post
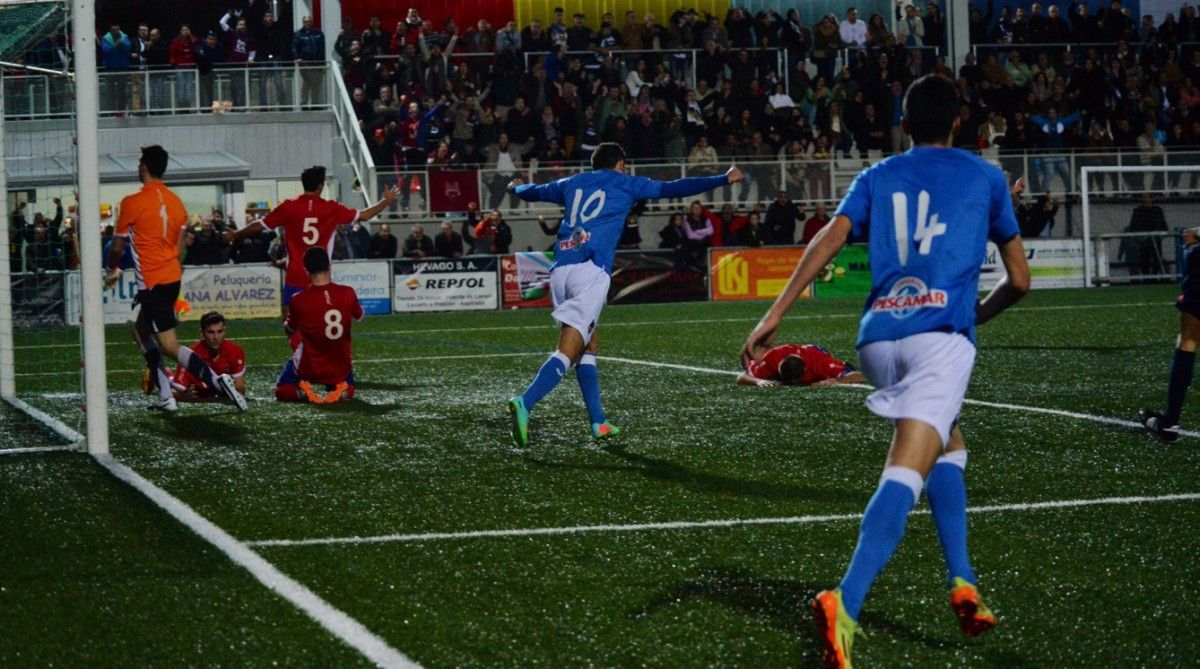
1089,269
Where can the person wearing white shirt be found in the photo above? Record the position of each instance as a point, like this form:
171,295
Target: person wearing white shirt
853,31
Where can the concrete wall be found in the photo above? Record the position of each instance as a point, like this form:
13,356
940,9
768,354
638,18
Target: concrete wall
275,144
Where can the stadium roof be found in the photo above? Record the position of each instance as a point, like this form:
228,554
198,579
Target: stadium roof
24,24
205,167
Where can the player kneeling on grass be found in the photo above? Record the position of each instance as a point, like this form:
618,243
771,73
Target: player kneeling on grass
1165,425
798,365
596,204
929,214
321,314
219,353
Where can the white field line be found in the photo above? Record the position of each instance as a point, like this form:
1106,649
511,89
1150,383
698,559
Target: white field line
697,524
1106,420
611,324
34,449
336,622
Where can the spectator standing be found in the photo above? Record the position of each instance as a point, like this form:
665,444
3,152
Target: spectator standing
115,53
208,54
383,244
1036,219
1148,218
417,245
504,235
308,47
782,216
1054,131
673,238
239,52
827,42
274,50
813,225
853,31
157,58
137,60
448,244
183,57
910,31
504,161
1152,153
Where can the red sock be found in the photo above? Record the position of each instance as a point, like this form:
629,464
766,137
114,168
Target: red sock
288,392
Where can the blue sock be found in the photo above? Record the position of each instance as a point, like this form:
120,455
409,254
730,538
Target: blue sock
880,534
589,386
947,494
1182,366
546,380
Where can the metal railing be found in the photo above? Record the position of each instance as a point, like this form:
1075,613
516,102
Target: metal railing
1029,52
259,87
352,137
822,180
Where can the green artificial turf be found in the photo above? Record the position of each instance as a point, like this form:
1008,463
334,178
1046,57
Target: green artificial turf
424,448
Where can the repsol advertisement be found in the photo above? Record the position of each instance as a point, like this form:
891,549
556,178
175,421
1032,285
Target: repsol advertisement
461,284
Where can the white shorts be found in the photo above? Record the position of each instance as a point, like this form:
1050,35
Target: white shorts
579,292
923,377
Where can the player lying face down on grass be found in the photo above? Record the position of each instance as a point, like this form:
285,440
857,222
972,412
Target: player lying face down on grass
1165,424
152,221
595,205
928,215
321,315
221,354
798,365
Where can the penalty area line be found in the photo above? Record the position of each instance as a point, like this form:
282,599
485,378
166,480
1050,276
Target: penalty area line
341,625
706,524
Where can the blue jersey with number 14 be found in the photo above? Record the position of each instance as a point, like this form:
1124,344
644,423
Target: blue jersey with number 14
595,205
929,214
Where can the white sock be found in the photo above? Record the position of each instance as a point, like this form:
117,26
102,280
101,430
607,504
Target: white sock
904,476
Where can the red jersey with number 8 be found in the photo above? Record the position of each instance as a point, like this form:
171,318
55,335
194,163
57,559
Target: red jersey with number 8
322,315
307,221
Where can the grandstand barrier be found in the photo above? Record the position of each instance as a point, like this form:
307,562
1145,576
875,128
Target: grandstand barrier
521,281
167,91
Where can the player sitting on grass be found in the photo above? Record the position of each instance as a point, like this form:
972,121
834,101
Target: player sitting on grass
928,214
152,221
595,205
221,354
1165,425
798,365
321,314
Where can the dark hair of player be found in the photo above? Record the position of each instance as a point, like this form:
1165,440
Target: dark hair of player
211,318
154,157
607,155
313,178
316,260
791,370
930,107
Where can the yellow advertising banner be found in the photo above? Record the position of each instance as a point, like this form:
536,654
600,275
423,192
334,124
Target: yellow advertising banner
752,273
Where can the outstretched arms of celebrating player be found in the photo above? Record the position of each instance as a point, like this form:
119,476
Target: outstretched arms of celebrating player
645,188
1012,288
824,246
389,196
689,186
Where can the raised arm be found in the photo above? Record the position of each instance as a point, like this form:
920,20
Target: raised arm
234,236
824,246
389,196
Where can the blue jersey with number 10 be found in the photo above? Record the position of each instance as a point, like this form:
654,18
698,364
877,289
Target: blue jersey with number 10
929,214
595,206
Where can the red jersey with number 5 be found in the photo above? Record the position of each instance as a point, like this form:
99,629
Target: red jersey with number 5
322,315
307,221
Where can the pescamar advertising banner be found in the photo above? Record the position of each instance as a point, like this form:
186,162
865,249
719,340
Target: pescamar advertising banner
460,284
849,275
371,281
526,278
1053,263
642,277
752,273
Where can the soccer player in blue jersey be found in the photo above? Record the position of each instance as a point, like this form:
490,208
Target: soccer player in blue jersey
928,215
1165,425
595,205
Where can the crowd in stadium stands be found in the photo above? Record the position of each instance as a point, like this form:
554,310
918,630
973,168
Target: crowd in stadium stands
1051,79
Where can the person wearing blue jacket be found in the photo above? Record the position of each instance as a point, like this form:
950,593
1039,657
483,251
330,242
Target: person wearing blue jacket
115,52
1054,139
595,205
308,46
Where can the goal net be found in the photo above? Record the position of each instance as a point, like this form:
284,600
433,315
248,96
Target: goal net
41,377
1133,218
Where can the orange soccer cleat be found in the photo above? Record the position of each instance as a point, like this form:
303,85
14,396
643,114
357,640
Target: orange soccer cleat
836,629
334,396
974,617
311,393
